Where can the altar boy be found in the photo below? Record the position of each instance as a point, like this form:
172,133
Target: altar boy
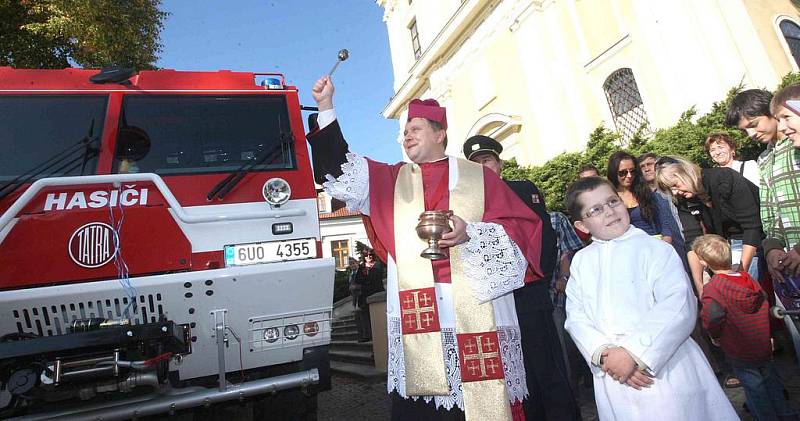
630,310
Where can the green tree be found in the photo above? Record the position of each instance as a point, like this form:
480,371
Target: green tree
341,284
789,79
685,138
89,33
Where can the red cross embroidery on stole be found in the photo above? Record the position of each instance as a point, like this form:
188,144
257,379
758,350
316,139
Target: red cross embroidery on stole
419,311
480,356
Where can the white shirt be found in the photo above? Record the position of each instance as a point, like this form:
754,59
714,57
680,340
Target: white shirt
633,292
749,171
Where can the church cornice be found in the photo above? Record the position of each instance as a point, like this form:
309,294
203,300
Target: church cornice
388,8
463,21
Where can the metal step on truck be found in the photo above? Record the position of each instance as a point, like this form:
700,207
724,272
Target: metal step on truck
160,249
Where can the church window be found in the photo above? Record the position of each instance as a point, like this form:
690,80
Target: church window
791,33
625,103
340,250
415,40
322,203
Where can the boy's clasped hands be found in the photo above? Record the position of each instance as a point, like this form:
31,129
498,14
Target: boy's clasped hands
619,364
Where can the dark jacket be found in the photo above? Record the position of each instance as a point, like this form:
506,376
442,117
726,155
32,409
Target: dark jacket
735,312
328,149
370,280
535,296
735,212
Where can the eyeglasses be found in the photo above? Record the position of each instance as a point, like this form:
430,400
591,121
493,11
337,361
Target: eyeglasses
598,209
624,173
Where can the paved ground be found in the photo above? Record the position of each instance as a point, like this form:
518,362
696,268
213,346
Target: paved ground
354,399
362,400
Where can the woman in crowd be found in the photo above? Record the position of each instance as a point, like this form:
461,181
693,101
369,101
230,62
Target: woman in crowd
726,203
689,212
722,150
369,278
648,211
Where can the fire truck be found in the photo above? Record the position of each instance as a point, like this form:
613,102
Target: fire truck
159,247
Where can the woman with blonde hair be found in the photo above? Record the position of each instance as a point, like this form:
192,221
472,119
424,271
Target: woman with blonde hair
727,205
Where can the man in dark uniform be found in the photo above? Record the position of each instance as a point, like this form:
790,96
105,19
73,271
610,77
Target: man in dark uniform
551,397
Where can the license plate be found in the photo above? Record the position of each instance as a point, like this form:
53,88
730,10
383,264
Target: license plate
275,251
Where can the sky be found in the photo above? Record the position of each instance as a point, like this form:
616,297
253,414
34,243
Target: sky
301,39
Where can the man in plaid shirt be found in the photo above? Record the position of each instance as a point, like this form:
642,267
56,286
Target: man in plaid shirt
780,189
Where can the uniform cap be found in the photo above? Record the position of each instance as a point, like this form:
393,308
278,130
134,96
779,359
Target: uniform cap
428,108
481,144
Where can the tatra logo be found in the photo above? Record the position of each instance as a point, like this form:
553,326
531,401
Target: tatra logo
93,245
127,196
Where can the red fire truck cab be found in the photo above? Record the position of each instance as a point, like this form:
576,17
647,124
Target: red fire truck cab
159,245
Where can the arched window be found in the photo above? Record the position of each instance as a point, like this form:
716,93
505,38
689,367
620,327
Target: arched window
625,103
791,32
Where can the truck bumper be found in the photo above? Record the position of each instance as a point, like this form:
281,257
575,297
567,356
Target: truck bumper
173,400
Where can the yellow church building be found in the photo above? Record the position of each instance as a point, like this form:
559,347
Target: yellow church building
540,75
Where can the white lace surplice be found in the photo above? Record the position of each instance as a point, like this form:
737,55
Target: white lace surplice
352,187
492,262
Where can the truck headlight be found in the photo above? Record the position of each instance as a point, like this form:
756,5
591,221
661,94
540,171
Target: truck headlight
272,334
291,331
276,191
311,328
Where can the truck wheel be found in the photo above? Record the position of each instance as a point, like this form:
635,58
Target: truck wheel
289,405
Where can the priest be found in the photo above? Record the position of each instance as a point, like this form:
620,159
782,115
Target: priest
454,339
545,370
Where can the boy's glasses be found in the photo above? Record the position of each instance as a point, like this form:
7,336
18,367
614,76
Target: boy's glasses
598,209
624,173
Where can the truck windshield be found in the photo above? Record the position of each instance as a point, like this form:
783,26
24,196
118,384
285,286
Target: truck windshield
36,128
189,134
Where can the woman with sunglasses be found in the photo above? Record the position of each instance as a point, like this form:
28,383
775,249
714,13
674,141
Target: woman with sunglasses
648,211
728,206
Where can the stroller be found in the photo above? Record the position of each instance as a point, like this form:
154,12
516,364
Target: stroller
787,307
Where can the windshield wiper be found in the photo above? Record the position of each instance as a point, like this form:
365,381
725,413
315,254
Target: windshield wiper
65,162
226,185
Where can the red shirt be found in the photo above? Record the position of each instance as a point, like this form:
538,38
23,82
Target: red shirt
735,312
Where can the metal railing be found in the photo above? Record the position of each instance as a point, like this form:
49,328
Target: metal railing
162,187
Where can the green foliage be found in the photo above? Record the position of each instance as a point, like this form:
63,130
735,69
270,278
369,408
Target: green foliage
601,145
360,249
89,33
789,79
341,284
685,138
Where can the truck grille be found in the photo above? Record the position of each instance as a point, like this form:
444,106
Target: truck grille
54,319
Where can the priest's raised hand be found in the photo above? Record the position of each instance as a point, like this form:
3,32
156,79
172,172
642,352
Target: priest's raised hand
322,92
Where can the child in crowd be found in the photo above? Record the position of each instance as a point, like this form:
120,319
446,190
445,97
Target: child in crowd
630,310
735,314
